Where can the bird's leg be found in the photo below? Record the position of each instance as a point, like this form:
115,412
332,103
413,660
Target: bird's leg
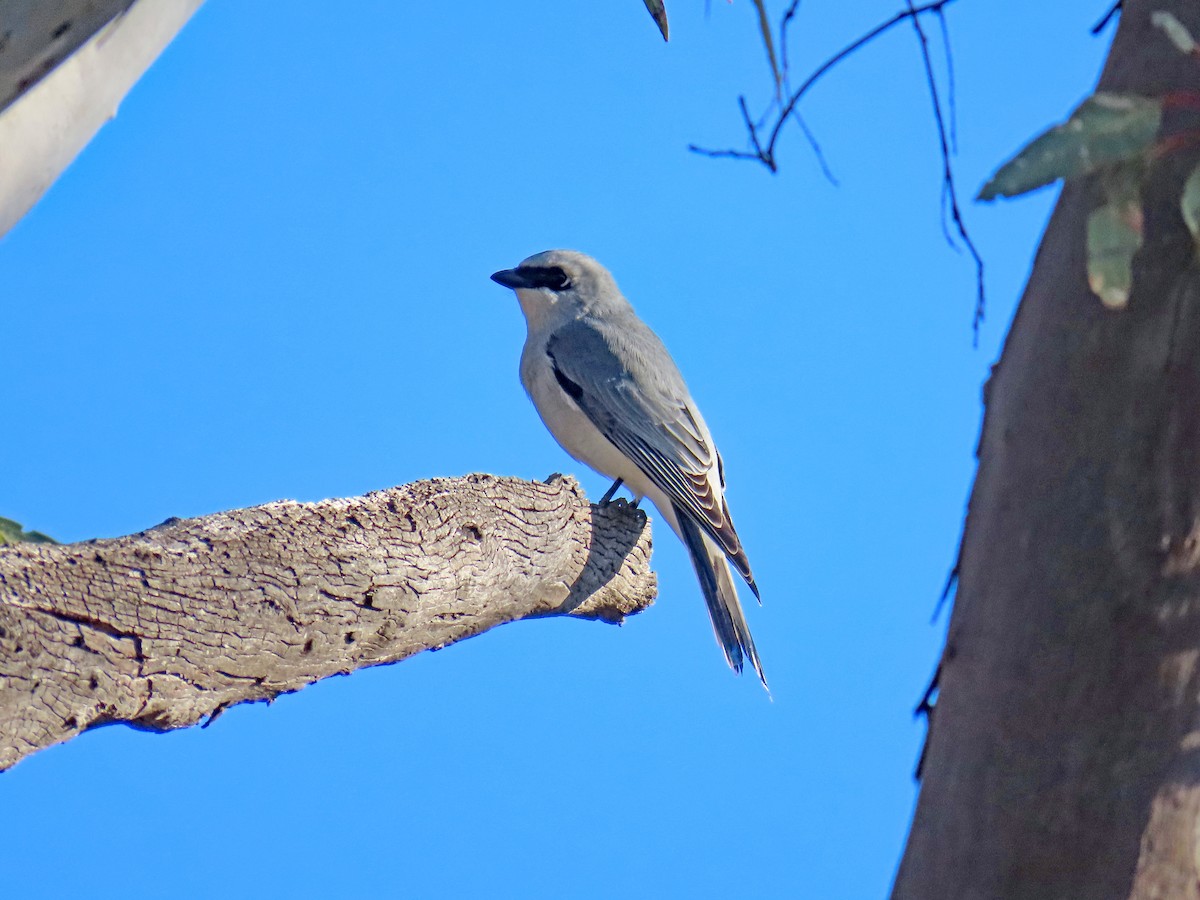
608,495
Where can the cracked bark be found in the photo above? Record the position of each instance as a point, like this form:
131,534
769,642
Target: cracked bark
165,628
1062,758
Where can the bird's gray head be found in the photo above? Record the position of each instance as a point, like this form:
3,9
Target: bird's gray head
561,284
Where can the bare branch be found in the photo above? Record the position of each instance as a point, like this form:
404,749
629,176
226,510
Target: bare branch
783,34
1107,17
169,627
948,186
816,148
951,91
765,152
766,155
721,154
753,132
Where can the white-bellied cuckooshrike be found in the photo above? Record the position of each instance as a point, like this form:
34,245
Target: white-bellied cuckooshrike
611,395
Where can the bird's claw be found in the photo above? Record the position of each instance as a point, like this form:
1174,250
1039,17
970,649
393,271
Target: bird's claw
608,495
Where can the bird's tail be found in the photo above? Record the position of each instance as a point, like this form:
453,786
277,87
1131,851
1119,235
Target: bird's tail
716,583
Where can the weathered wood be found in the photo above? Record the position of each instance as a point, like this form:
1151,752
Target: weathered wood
165,628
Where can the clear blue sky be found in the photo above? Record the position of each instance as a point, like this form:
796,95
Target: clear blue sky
268,278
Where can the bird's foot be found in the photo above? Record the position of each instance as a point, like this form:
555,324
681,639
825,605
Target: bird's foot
608,495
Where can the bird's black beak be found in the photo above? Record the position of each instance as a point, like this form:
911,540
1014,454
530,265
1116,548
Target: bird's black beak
511,278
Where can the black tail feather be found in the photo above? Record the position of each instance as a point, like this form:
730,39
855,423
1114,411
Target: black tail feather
716,583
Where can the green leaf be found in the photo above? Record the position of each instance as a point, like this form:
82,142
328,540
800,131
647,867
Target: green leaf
12,533
659,12
1189,204
1105,129
1174,30
1114,235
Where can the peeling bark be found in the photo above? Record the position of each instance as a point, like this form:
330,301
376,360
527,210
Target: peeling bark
1064,753
165,628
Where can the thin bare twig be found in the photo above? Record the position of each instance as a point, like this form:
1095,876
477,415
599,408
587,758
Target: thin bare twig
758,155
750,126
948,185
1108,17
724,154
816,148
946,200
947,590
951,91
837,58
926,707
764,152
809,136
783,35
753,129
767,156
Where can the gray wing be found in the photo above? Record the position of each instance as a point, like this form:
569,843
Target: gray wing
644,409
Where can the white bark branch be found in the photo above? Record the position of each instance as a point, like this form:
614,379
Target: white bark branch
165,628
65,65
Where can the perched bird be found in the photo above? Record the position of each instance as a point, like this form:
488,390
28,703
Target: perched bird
611,395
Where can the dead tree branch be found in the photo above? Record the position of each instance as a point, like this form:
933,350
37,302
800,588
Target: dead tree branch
166,628
765,150
763,142
950,192
1106,18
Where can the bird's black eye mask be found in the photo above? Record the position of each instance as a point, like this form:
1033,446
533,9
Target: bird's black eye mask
552,278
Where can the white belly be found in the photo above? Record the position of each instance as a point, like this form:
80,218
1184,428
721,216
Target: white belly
577,435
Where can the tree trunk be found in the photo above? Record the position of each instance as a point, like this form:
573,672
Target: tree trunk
1064,755
167,627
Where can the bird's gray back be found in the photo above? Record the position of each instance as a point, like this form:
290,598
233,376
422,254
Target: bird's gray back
622,363
622,377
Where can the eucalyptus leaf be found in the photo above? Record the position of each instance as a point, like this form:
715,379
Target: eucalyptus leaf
658,11
1114,235
1105,129
1175,30
1189,204
12,533
764,25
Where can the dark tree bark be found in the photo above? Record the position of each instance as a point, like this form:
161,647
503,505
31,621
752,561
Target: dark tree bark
165,628
1064,753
